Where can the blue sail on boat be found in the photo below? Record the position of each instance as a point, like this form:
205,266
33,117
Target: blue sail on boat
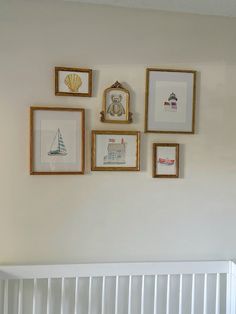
58,147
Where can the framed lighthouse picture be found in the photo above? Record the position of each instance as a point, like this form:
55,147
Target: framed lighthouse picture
57,137
165,160
115,150
170,101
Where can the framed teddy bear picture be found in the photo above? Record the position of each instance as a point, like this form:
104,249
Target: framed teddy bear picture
116,105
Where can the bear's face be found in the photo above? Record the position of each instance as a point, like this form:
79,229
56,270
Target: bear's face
116,98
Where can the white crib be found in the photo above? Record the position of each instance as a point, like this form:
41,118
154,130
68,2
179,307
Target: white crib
119,288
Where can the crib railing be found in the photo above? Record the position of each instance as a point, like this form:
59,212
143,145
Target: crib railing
119,288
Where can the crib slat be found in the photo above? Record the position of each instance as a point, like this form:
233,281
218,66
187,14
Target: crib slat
168,295
180,293
205,295
34,296
62,294
193,294
233,294
20,293
5,306
228,293
90,295
142,295
155,296
217,294
49,296
116,294
76,294
129,295
103,293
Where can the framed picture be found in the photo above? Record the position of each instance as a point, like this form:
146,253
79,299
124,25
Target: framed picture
170,101
73,82
116,105
57,139
116,150
165,160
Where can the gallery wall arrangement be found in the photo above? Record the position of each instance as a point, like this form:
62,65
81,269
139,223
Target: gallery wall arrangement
57,134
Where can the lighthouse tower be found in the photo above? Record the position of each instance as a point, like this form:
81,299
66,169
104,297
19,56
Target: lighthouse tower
171,104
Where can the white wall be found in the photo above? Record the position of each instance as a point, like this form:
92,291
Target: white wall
104,216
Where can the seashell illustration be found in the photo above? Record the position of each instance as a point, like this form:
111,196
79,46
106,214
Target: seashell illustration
73,82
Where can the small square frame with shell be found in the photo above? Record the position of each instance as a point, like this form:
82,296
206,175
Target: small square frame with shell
73,82
116,105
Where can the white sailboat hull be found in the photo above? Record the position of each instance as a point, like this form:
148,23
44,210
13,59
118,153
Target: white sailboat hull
57,153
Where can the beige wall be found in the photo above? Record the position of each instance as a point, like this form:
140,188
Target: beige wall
116,216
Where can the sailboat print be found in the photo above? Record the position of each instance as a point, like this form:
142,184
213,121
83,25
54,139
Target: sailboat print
58,147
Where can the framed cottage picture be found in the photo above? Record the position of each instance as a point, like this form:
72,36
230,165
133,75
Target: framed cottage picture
116,105
57,137
165,160
170,101
73,82
116,150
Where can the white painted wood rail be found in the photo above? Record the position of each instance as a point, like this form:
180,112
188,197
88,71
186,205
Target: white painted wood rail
119,288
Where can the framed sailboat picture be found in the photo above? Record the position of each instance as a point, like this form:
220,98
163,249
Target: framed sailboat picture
115,150
165,160
57,137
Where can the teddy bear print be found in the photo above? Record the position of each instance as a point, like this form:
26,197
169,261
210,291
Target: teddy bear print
116,108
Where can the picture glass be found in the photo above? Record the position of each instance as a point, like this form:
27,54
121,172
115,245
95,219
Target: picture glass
58,141
116,105
73,82
166,160
116,150
170,101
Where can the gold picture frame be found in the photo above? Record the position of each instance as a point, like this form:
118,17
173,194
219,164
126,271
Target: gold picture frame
116,105
60,127
73,82
159,118
115,151
165,162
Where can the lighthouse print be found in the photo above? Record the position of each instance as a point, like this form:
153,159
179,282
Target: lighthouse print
171,104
